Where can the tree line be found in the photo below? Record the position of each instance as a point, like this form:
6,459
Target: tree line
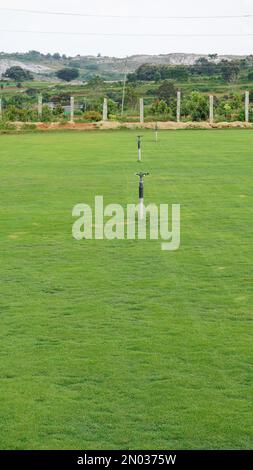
18,74
227,70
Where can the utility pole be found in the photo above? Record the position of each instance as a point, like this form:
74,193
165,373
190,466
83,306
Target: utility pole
178,106
124,89
211,109
247,106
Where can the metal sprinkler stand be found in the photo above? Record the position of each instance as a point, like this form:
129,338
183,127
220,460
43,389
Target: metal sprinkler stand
141,194
139,147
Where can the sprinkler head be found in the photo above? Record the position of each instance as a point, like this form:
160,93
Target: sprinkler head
141,174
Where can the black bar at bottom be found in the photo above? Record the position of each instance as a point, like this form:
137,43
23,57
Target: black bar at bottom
109,459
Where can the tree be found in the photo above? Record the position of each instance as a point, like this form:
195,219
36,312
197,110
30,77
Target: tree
18,74
213,56
160,107
67,74
96,82
250,75
34,55
195,107
167,91
157,76
204,67
131,97
132,77
179,72
229,70
146,72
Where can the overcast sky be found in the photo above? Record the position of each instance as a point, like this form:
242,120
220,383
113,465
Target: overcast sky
122,46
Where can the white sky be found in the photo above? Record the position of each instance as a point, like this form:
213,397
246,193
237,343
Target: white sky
122,46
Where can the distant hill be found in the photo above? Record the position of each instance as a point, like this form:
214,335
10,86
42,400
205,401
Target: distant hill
32,67
44,66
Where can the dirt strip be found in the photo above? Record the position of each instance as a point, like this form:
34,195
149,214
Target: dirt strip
169,125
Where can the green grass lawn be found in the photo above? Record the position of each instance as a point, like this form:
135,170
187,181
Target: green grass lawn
117,344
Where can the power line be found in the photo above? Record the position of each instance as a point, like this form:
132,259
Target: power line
75,33
95,15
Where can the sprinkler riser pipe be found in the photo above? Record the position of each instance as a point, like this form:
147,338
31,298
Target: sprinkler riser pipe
141,208
141,190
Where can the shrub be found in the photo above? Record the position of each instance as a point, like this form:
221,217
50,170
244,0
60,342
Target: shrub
160,108
14,113
112,107
78,112
28,127
93,116
58,111
7,126
230,107
151,92
46,114
63,121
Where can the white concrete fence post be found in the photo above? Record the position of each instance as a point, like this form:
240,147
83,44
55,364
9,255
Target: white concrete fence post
178,106
40,107
72,108
141,110
246,106
211,109
105,110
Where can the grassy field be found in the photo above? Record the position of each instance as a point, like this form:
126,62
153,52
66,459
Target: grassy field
147,90
117,344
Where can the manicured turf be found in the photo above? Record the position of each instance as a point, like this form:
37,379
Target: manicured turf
117,344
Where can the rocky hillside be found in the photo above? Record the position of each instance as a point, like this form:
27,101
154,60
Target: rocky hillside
110,68
32,67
